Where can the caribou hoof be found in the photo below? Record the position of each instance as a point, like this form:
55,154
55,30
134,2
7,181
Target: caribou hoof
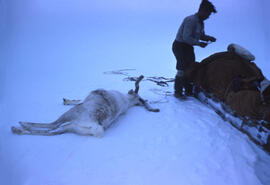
16,130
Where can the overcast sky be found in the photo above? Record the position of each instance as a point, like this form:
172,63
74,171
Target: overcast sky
245,22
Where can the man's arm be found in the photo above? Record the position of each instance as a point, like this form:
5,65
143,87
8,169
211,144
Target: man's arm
189,35
188,32
206,38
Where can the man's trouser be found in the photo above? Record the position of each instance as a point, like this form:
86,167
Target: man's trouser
184,55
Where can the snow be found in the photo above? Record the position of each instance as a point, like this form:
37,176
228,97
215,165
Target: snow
51,50
241,52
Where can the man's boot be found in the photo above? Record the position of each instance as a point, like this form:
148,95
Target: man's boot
178,86
188,89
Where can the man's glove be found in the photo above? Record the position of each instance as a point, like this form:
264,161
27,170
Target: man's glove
203,44
212,39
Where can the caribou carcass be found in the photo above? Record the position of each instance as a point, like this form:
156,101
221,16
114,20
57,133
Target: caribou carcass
90,117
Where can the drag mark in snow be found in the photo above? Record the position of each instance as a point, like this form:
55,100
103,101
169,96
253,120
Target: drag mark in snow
119,72
158,80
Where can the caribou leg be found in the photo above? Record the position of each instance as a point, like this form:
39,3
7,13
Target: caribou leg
49,132
66,117
28,125
70,127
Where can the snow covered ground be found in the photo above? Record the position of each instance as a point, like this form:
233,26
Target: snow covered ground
55,48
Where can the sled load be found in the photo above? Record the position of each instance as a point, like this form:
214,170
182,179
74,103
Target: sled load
237,89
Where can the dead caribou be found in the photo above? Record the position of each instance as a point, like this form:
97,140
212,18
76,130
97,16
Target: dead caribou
90,117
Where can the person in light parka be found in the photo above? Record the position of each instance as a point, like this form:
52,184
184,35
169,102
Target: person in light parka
191,33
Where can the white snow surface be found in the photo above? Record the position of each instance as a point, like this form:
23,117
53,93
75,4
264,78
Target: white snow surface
54,49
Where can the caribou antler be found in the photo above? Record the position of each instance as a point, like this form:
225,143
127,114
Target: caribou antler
143,102
147,106
137,83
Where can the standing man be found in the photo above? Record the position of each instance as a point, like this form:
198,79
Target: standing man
189,34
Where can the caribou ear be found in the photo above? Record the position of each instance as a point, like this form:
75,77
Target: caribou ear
131,91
